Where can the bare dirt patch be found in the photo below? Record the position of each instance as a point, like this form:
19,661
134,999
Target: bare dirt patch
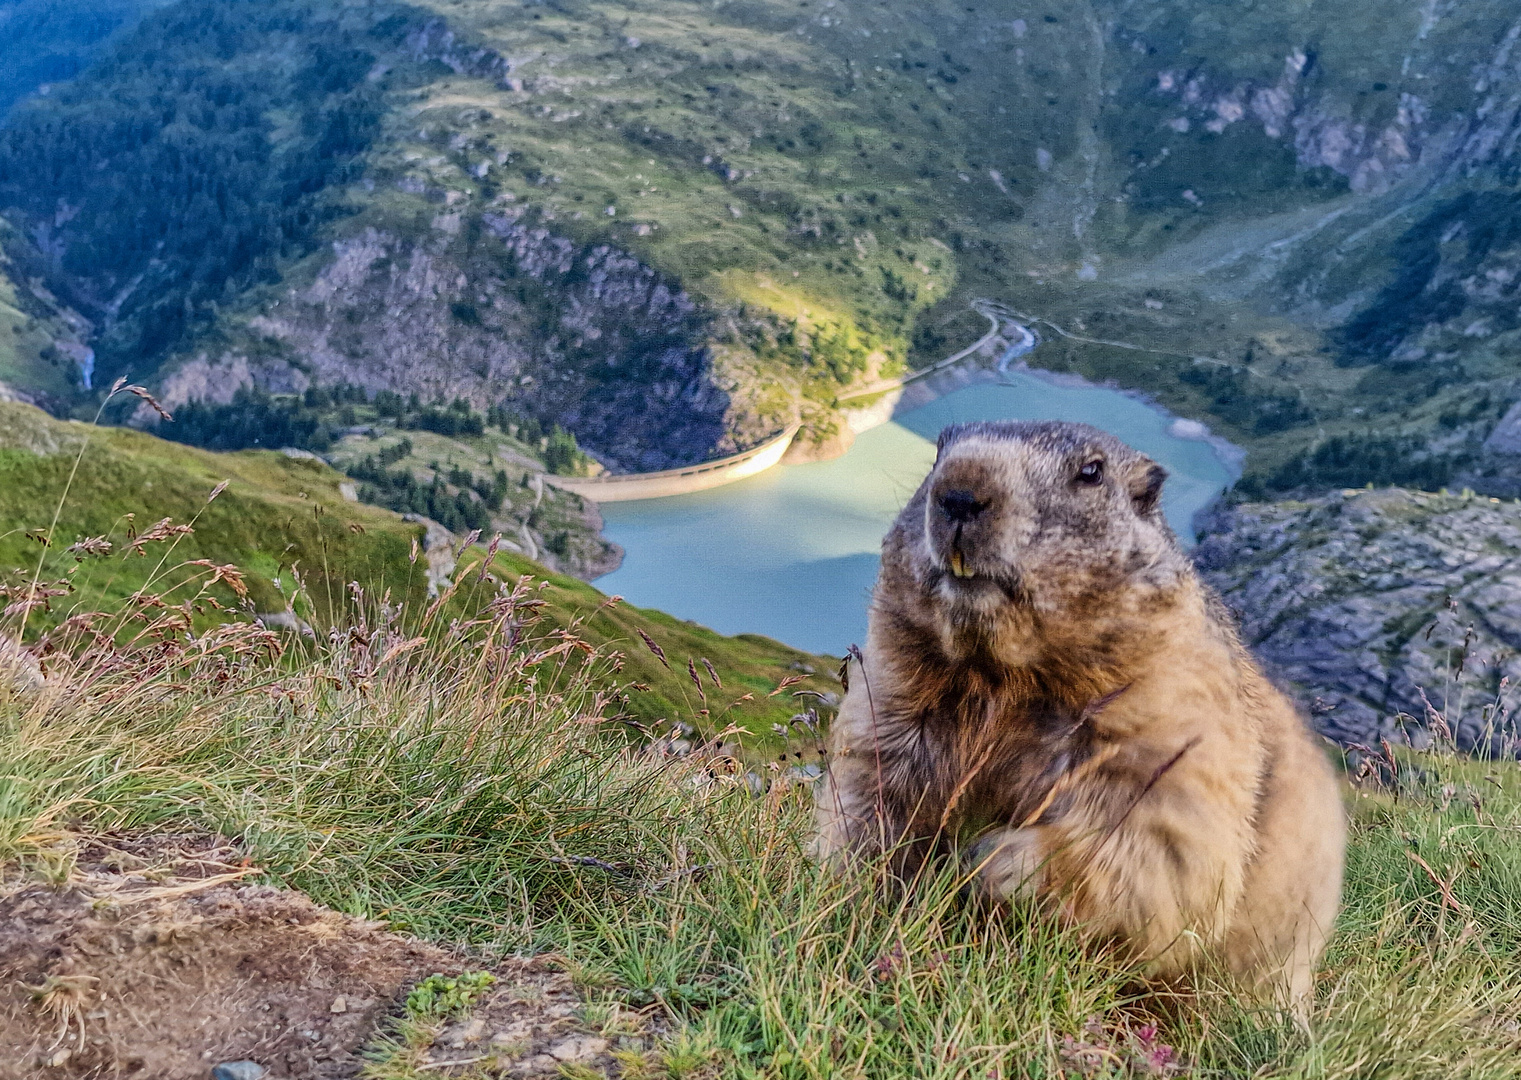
156,958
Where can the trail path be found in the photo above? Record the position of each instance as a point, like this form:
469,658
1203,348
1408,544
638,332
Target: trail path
882,386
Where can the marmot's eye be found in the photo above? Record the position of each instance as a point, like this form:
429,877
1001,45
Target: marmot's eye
1091,473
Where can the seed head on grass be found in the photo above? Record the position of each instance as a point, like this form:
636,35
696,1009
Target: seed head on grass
145,394
164,529
787,683
33,595
658,652
89,547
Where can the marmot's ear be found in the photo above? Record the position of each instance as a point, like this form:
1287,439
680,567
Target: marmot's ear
1146,485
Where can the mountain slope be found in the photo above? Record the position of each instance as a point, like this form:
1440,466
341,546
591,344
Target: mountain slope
673,227
43,357
48,41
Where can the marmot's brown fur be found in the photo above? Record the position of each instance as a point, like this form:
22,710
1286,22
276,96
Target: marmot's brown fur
1048,688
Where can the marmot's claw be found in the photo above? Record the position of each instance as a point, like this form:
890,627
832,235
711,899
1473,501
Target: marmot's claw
1008,863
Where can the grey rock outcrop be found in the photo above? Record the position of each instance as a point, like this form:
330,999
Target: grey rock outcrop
491,307
436,41
1365,601
1506,436
438,549
1332,124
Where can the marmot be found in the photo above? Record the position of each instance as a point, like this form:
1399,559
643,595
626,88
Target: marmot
1048,688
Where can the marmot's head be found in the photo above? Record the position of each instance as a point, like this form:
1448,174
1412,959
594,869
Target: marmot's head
1053,522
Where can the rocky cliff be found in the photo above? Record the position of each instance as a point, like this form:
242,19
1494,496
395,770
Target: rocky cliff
495,308
1381,607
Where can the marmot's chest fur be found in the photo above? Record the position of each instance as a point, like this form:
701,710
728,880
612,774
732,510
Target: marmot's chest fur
969,750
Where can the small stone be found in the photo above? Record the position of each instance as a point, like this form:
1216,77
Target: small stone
513,1033
539,1063
340,1005
578,1048
60,1059
239,1070
465,1033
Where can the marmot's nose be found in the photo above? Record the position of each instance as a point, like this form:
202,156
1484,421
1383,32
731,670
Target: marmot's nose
960,505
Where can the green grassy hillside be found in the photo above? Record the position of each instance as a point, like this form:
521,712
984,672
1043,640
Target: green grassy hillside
464,469
298,544
1298,223
277,519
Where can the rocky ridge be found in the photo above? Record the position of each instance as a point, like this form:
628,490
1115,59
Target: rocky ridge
1390,612
496,309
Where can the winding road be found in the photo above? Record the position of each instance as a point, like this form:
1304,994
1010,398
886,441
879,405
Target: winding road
997,316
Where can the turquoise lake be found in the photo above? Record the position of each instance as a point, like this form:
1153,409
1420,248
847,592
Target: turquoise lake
792,553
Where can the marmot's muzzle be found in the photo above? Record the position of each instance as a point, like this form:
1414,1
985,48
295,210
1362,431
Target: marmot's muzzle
956,512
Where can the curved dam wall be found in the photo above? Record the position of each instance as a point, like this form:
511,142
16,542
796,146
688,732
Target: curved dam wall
709,474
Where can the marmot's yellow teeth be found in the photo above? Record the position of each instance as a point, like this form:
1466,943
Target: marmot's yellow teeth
958,564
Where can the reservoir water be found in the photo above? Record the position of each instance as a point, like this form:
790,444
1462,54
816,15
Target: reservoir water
792,553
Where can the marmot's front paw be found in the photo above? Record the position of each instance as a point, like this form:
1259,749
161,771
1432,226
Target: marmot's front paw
1009,863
